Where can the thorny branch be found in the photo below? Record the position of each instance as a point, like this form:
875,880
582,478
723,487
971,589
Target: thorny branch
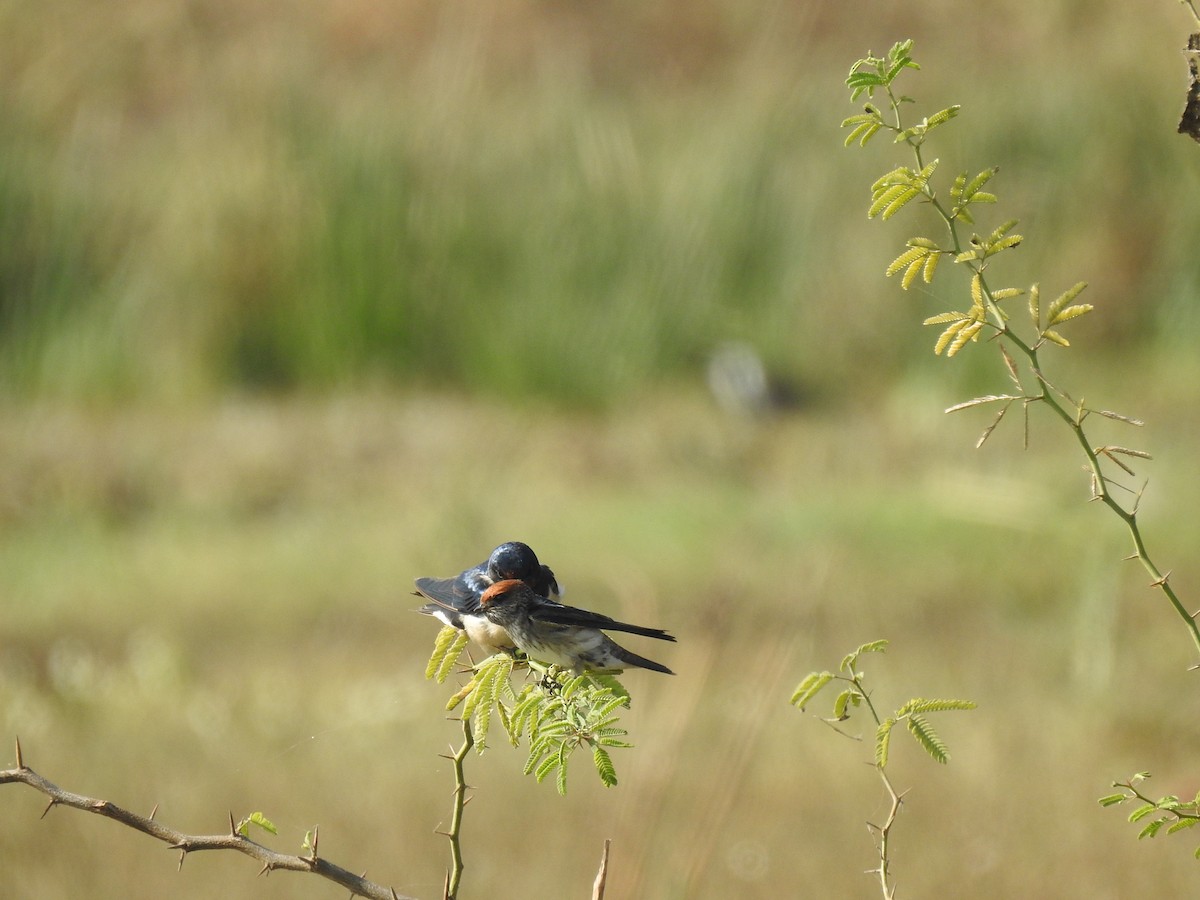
454,876
188,843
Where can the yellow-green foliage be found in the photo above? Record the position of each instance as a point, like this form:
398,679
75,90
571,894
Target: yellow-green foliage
912,714
557,712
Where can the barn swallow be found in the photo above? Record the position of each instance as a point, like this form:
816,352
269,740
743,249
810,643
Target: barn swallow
551,632
455,601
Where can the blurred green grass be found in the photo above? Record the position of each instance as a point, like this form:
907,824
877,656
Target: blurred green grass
209,610
567,203
296,306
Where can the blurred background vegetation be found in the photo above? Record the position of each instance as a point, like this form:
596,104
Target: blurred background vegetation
298,303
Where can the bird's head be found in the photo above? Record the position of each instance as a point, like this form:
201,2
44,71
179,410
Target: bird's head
513,560
506,593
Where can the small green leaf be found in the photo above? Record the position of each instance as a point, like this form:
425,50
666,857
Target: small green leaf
902,199
1113,799
604,766
256,818
1142,811
883,739
970,190
1071,312
949,335
921,705
1005,293
446,649
967,333
927,738
943,318
809,687
843,700
1062,300
905,260
1055,337
944,115
545,767
862,133
561,782
1151,829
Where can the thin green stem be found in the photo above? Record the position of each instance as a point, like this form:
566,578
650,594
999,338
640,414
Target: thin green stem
460,801
1129,517
1047,393
883,870
885,833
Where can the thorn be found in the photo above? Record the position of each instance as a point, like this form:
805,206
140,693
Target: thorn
446,887
49,806
1129,557
182,854
232,826
395,896
316,838
1160,582
443,833
154,812
444,756
20,758
265,870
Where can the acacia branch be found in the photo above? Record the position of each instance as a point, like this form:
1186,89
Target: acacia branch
454,876
187,843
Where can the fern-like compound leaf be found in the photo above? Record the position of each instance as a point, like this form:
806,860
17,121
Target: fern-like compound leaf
1056,338
966,333
931,264
809,687
906,259
943,318
1183,824
1006,293
604,766
949,335
1062,300
1071,312
561,782
922,705
446,649
927,737
883,740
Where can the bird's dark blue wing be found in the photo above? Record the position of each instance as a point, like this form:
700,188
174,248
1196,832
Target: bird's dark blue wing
560,614
454,593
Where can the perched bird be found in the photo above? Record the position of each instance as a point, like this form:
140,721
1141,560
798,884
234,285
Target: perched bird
551,632
455,601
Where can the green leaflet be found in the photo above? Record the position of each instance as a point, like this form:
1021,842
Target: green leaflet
927,737
447,646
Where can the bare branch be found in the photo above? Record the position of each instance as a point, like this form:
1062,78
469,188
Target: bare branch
602,875
188,843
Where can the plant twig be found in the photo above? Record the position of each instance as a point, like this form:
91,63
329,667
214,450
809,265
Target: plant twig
884,832
454,877
903,185
188,843
602,874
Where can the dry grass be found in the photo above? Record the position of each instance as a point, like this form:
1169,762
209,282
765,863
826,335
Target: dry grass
209,611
